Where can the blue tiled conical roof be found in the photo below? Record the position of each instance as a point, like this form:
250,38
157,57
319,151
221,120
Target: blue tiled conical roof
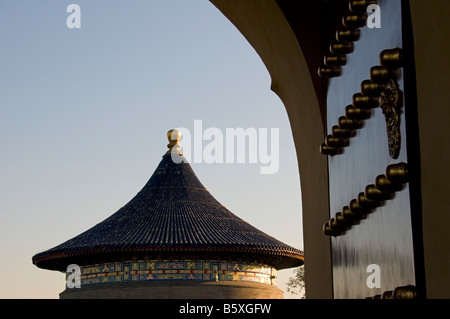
172,217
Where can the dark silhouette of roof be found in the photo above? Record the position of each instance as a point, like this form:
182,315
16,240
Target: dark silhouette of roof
173,217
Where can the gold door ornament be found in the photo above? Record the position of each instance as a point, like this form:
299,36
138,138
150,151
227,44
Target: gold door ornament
391,103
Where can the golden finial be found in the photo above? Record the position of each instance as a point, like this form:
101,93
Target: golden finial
174,137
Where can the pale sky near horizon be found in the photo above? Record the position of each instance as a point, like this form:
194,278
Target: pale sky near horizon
84,115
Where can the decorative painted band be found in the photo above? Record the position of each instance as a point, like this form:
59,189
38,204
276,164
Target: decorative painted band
159,270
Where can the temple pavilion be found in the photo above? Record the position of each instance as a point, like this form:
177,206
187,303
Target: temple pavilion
172,240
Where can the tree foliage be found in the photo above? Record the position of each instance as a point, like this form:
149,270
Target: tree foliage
296,284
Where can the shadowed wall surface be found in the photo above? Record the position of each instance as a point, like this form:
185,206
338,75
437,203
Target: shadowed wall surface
178,290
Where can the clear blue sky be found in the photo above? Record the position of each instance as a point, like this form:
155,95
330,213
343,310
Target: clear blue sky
84,115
